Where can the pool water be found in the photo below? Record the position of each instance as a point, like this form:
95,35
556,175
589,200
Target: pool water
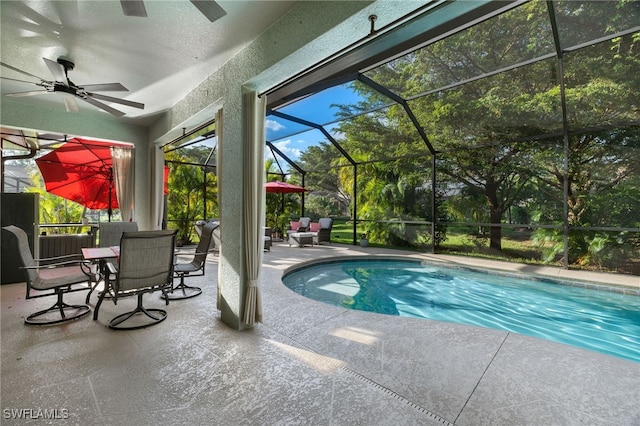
604,321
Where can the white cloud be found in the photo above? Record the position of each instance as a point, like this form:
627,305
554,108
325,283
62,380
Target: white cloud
283,146
273,125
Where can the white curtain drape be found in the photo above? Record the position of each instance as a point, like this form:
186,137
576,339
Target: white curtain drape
219,129
158,198
124,180
254,194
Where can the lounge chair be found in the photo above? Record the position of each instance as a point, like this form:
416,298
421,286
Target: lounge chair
144,265
56,278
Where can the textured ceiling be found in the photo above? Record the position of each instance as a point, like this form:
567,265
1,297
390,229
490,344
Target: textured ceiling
160,58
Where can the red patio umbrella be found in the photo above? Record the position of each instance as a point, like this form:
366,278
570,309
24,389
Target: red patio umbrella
81,171
278,187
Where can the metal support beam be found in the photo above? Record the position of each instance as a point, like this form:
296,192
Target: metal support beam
315,126
289,161
435,20
354,204
565,136
388,93
434,205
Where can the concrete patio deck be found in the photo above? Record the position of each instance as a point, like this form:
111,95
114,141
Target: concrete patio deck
308,364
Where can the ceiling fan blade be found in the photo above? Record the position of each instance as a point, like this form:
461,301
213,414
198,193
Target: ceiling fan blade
116,100
70,104
210,9
105,107
133,8
30,93
20,81
106,87
56,70
19,70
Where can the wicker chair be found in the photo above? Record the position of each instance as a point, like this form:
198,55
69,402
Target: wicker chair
324,233
302,225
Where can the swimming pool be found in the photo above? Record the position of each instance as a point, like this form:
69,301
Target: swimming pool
604,321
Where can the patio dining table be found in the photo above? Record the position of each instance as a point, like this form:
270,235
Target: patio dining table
99,256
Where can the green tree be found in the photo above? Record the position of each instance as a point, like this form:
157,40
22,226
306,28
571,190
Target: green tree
393,171
186,197
327,196
604,167
488,128
53,208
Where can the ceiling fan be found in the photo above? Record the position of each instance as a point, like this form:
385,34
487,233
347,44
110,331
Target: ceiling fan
62,84
209,8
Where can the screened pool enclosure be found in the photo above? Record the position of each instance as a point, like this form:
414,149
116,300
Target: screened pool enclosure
518,135
506,129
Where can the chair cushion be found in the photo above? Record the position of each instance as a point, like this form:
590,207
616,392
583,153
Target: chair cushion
304,221
325,222
294,225
314,227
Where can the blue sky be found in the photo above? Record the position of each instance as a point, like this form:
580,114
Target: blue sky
317,108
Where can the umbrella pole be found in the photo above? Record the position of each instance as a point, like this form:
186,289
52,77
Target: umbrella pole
109,210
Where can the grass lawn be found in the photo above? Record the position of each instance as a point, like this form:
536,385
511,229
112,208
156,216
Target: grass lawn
516,244
343,233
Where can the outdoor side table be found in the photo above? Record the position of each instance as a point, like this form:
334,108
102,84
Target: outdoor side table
301,238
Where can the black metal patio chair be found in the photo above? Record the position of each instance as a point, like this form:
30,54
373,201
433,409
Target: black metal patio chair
57,276
194,267
144,265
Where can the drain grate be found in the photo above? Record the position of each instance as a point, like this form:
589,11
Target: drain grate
376,385
388,391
